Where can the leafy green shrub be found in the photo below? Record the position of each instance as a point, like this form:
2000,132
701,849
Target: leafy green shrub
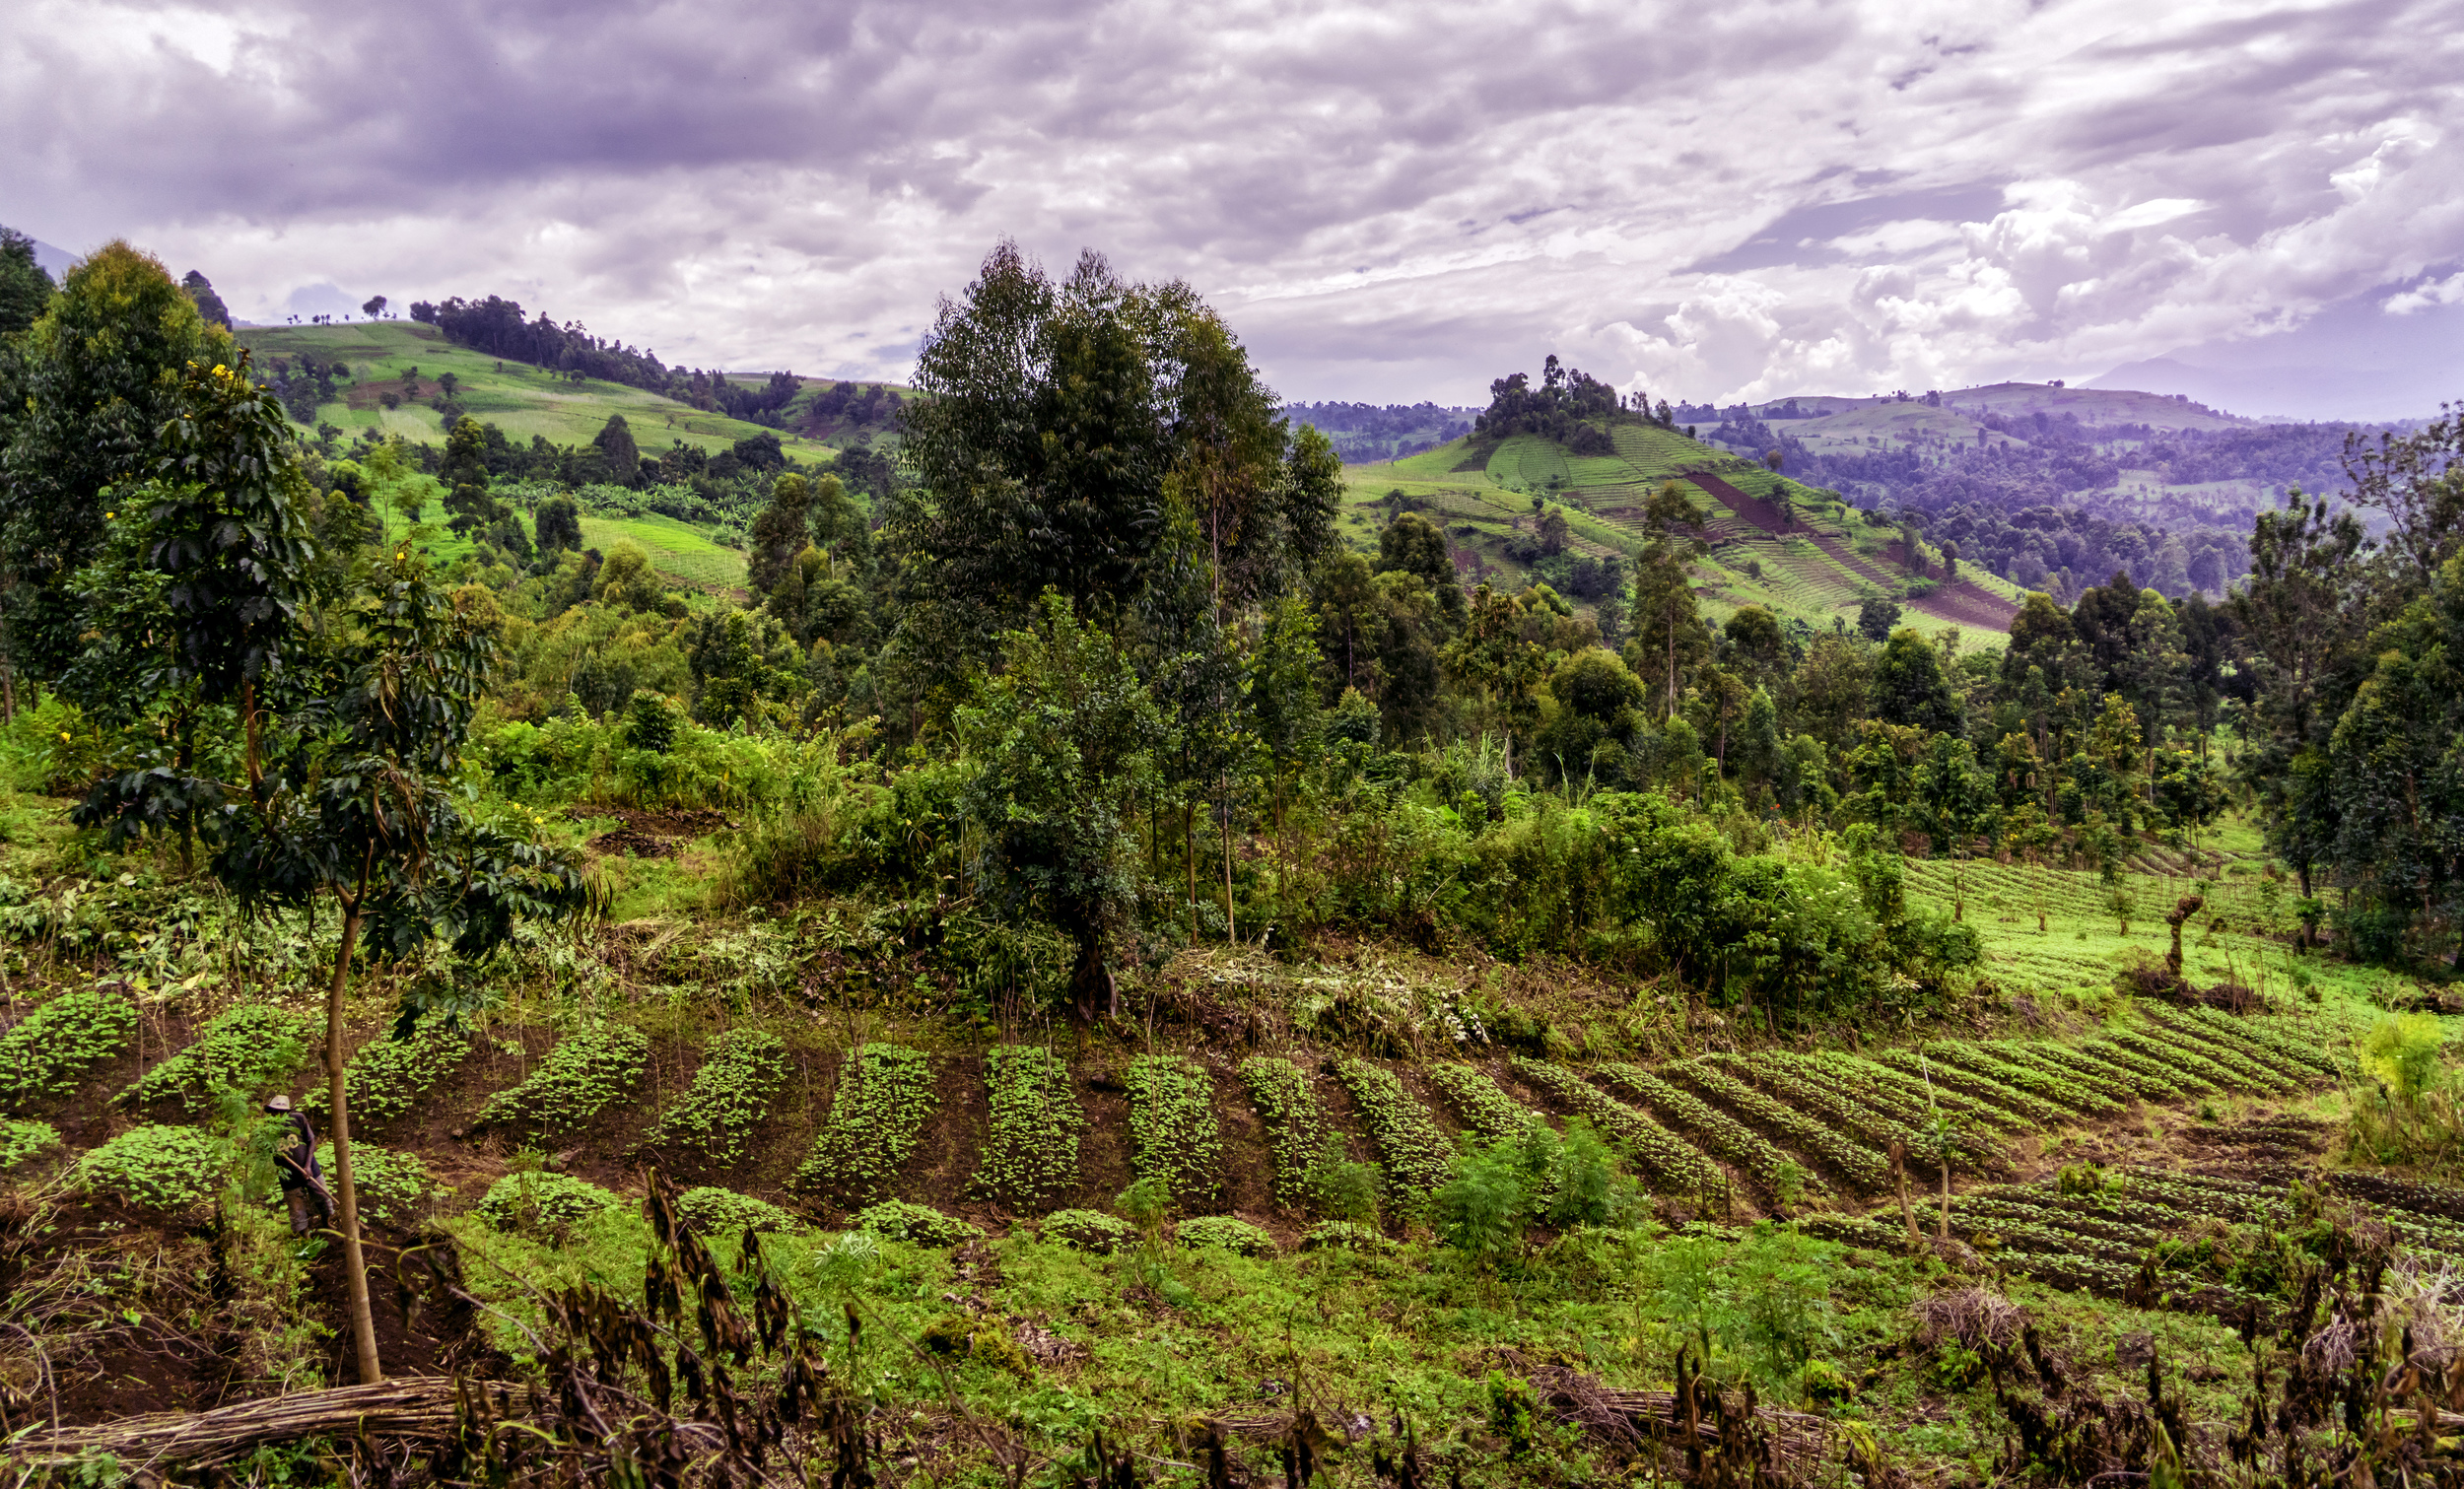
160,1168
885,1092
1294,1120
538,1203
1173,1137
388,1076
1089,1229
1343,1235
742,1073
251,1048
587,1072
22,1138
52,1048
1224,1234
1415,1153
1338,1189
393,1189
914,1224
716,1214
1031,1153
2402,1052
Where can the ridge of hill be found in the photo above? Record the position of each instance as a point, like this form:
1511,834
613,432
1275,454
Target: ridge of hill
1798,551
526,401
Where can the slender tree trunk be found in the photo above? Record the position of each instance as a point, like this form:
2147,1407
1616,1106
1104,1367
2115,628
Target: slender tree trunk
1900,1171
1945,1196
1231,928
1188,860
354,1263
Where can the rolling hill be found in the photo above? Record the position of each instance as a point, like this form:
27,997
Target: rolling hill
1797,551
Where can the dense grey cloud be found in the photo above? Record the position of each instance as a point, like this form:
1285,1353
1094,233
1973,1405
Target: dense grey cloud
1388,202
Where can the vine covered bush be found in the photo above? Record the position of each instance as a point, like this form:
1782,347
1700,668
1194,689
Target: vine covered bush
21,1138
1173,1137
717,1212
252,1048
388,1075
1222,1233
1089,1229
541,1203
885,1092
1031,1152
157,1168
393,1189
914,1224
743,1072
52,1048
587,1070
1414,1152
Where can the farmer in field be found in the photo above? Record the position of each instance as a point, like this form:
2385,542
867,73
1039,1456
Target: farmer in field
294,1160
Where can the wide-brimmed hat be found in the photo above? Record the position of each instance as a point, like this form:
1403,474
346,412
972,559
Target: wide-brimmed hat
278,1103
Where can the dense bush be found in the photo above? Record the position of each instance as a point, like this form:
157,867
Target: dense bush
587,1070
541,1203
160,1168
914,1224
725,1213
52,1048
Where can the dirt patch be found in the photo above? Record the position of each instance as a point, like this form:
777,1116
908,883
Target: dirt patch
650,835
1104,1150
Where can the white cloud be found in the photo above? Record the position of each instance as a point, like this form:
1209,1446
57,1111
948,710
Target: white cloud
1770,196
2441,292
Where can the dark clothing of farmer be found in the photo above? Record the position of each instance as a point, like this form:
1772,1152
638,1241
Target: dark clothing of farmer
304,1190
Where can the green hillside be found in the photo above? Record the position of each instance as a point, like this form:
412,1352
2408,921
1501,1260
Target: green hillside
1791,548
519,399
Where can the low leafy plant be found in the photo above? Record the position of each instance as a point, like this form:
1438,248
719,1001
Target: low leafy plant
741,1075
1294,1120
1338,1189
541,1203
250,1049
158,1167
1031,1152
1678,1164
885,1092
588,1070
52,1048
21,1138
1343,1235
1089,1229
1173,1137
1853,1161
1412,1150
914,1224
1492,1114
1224,1234
388,1076
717,1212
1713,1128
393,1189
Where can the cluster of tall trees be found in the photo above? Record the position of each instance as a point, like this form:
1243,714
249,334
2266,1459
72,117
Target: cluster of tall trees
1570,406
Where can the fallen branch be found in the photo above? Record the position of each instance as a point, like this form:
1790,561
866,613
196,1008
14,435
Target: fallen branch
1633,1420
416,1407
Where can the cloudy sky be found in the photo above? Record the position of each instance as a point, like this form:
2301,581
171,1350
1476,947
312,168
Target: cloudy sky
2260,204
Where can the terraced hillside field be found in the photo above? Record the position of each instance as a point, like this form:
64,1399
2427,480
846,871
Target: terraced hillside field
1773,542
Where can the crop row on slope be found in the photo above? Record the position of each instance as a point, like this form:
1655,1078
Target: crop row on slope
2070,1095
1713,1130
1858,1166
1917,1105
1678,1166
387,1075
588,1071
1412,1151
1939,1077
1173,1137
1484,1107
1294,1118
252,1048
49,1051
1031,1150
876,1119
740,1076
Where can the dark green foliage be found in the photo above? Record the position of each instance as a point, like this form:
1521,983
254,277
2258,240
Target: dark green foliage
26,290
46,1053
209,305
876,1119
252,1048
588,1070
557,524
740,1076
